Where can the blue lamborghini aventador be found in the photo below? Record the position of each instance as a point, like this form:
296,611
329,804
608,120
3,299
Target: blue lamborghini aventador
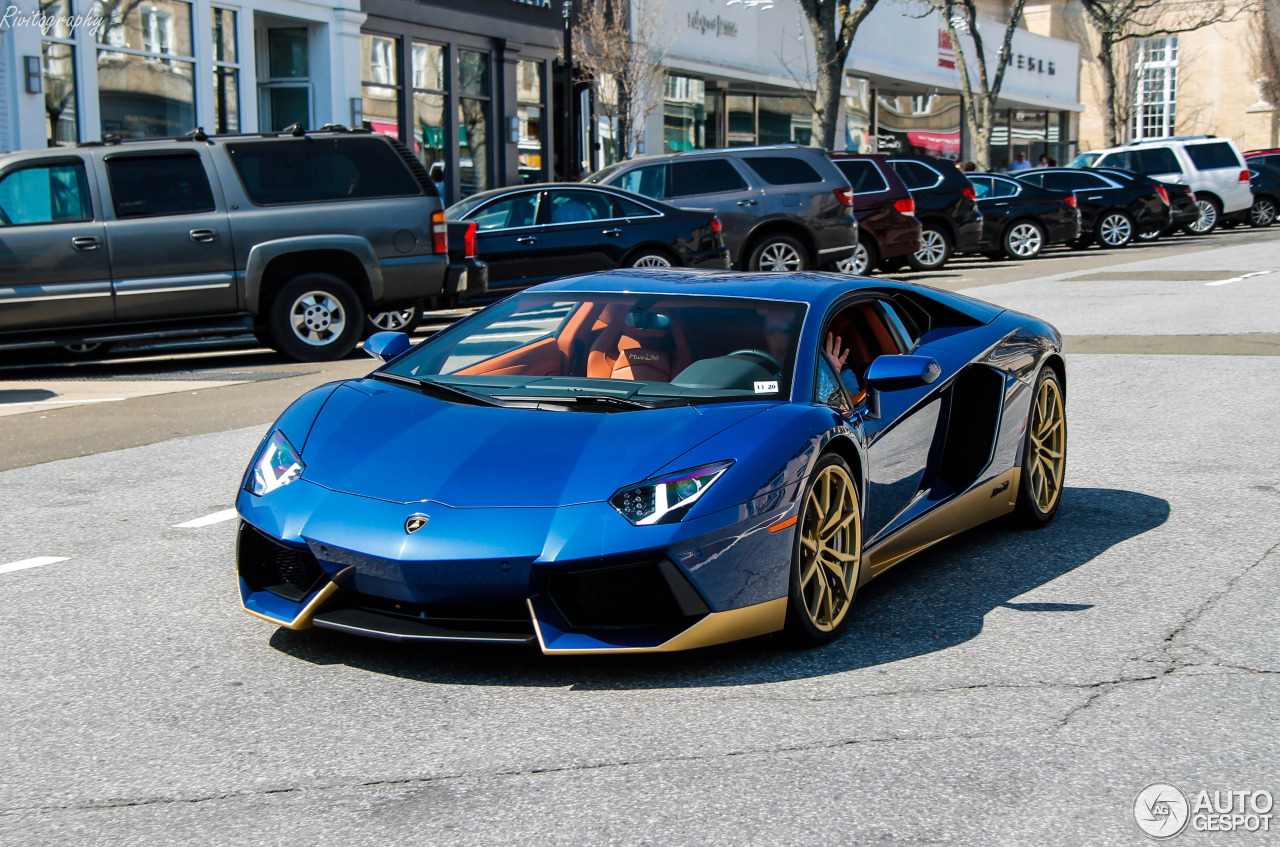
651,460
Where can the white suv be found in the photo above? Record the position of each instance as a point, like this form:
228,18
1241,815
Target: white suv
1211,167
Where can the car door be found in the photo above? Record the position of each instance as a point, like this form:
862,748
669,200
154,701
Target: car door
717,184
580,233
54,267
507,234
168,236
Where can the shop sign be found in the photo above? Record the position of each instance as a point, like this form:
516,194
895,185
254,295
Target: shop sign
718,25
946,50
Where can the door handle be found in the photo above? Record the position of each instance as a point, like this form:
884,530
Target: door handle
1094,197
613,232
746,202
204,236
86,242
527,239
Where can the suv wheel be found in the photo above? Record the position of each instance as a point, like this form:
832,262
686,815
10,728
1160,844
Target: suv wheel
315,317
861,262
650,259
778,253
1263,212
1115,230
935,250
1208,220
400,320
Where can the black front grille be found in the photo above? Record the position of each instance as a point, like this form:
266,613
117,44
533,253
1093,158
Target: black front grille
630,595
266,564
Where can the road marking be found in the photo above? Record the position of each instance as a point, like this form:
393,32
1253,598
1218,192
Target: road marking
207,520
1237,278
38,561
53,401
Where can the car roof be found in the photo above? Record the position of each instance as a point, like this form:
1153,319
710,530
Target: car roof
542,186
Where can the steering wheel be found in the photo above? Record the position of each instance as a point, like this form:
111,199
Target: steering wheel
760,354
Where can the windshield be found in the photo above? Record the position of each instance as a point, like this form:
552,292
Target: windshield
584,348
603,174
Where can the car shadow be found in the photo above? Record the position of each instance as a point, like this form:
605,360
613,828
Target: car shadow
936,600
25,395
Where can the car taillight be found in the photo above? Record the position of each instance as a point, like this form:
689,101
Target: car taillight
845,196
439,233
1244,175
469,241
970,193
1070,200
906,205
716,226
1164,195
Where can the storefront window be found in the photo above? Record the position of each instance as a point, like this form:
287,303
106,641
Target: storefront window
380,77
429,112
529,99
285,94
857,116
742,120
920,124
784,119
684,114
226,73
473,122
1030,130
146,69
63,127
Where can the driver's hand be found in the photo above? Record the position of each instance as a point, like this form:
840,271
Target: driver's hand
835,351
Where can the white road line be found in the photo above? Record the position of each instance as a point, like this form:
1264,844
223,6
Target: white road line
64,400
38,561
207,520
1237,278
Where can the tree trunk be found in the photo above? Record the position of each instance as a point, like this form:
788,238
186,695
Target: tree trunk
826,107
1106,59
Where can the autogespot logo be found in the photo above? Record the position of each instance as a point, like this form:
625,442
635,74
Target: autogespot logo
1161,810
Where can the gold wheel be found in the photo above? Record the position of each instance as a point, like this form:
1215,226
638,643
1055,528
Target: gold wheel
1046,447
830,548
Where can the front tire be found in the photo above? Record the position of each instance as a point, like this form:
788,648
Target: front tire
826,558
1210,215
1115,230
650,259
778,253
1024,240
1044,454
400,320
935,250
315,317
1263,212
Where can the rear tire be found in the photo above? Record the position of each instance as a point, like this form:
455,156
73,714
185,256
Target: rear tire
399,320
1263,212
826,556
935,250
650,259
1044,453
315,317
1114,230
778,253
1024,240
863,261
1210,216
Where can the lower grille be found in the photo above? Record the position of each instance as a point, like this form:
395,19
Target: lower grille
266,564
645,594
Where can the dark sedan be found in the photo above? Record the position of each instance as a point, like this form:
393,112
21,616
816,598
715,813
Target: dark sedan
533,233
1264,182
1019,219
1115,206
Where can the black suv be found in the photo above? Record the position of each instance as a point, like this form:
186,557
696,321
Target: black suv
294,236
783,208
946,206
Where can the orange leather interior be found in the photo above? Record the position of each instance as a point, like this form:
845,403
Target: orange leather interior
542,358
627,352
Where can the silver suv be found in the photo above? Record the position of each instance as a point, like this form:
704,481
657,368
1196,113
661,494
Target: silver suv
293,236
1211,167
783,208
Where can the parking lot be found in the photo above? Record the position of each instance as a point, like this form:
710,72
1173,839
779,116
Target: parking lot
1005,687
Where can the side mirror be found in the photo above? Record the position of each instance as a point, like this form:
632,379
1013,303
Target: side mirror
895,373
385,346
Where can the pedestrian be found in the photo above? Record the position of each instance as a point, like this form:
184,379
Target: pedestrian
969,167
1020,162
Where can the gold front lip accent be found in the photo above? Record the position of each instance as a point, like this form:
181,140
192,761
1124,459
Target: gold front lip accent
303,619
715,628
970,509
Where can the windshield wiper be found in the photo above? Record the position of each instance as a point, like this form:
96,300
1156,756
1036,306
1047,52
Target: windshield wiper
577,400
438,388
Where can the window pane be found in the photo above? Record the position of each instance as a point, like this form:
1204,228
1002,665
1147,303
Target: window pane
381,109
473,146
573,206
520,210
158,26
378,60
862,175
226,99
1208,157
981,185
224,36
742,120
60,94
628,209
53,194
145,186
684,114
783,170
530,156
473,73
320,169
428,133
647,181
139,97
428,67
785,119
708,176
60,13
287,53
529,82
915,175
289,105
1157,160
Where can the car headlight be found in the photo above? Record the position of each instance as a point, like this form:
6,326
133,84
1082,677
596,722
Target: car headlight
277,465
668,498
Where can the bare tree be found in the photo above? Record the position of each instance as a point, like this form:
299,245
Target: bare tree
834,24
1116,23
979,87
1266,50
623,57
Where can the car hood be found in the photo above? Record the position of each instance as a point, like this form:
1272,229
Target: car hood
399,445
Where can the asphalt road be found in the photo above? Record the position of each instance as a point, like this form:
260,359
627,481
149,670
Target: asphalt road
1007,687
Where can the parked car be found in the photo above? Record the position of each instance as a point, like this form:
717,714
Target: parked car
1212,167
1114,206
468,280
533,233
1020,219
1267,157
1264,181
888,231
293,236
784,208
946,206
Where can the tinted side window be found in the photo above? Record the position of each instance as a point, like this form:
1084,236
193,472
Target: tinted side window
981,186
627,209
915,175
782,170
316,170
1122,159
572,206
863,175
1209,157
148,186
705,176
647,182
44,195
520,210
1157,160
1034,179
1003,188
1072,182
